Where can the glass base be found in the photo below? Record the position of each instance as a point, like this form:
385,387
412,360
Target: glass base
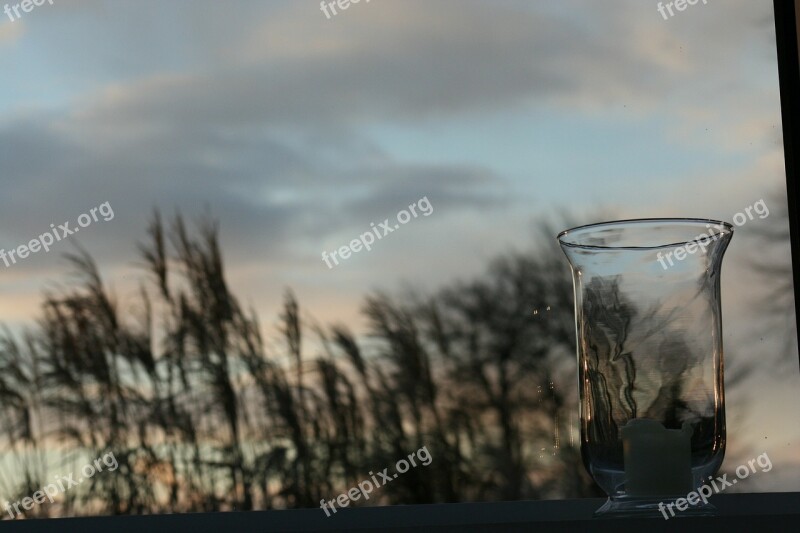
651,508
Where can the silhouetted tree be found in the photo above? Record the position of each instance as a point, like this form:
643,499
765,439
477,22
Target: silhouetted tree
202,417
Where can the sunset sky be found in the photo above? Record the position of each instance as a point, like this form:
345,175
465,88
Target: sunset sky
297,131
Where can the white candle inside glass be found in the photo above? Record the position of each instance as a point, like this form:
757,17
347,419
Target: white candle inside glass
658,461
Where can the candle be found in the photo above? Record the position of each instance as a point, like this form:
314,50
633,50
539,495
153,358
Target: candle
658,461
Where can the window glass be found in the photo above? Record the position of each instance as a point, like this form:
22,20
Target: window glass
256,254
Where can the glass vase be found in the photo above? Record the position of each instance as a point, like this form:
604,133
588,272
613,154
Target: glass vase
650,363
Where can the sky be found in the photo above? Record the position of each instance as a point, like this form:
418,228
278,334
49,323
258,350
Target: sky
297,131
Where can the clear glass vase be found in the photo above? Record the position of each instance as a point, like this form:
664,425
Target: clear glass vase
650,364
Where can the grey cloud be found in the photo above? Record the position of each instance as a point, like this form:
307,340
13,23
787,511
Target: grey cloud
412,58
273,142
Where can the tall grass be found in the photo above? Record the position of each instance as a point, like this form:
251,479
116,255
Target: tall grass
203,417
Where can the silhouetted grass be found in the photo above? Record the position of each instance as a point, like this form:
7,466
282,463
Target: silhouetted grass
202,418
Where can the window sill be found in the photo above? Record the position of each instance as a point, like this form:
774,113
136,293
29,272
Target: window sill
738,512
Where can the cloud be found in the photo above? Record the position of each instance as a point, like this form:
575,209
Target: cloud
268,123
401,60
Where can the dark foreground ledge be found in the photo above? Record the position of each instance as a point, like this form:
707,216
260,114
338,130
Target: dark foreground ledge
738,512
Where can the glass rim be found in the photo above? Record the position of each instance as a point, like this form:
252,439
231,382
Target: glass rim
719,224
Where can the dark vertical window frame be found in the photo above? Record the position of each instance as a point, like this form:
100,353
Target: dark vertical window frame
787,22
